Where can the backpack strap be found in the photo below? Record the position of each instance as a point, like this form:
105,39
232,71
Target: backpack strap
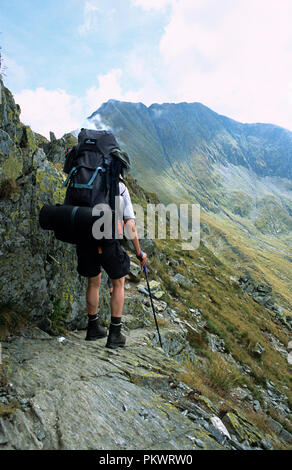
89,185
106,162
75,168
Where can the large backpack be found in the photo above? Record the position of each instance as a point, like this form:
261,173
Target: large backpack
94,167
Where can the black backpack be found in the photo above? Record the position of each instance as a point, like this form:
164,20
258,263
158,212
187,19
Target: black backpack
94,167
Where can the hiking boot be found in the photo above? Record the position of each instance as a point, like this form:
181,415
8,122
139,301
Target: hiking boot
95,331
115,340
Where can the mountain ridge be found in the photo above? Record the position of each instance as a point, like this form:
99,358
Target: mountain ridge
239,174
212,121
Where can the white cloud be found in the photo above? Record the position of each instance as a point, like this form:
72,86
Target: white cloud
45,110
109,88
233,55
89,18
55,110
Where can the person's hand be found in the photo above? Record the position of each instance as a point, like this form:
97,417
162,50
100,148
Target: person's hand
142,257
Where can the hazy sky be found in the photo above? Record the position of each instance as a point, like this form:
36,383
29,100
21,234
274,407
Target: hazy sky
64,58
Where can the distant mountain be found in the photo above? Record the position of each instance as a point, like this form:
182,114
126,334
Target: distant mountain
240,174
180,131
205,155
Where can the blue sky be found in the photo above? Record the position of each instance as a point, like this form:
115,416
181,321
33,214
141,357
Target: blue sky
65,58
67,44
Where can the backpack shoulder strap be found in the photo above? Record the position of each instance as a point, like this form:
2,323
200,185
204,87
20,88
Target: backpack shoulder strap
70,158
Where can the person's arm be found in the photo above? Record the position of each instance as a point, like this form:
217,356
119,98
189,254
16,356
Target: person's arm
130,226
131,229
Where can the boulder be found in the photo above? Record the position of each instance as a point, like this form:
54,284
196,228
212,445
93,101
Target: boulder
135,272
182,281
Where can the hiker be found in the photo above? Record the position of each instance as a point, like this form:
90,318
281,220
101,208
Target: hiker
116,263
95,168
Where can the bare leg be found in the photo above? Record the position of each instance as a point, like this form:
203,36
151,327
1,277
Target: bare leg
117,297
92,294
94,329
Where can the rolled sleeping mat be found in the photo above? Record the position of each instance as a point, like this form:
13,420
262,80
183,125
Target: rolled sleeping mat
47,217
71,224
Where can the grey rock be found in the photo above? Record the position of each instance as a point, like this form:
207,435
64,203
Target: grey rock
41,436
286,436
3,436
3,440
135,272
219,436
258,350
143,290
79,392
200,443
31,258
175,344
275,426
266,445
148,246
256,406
182,281
217,344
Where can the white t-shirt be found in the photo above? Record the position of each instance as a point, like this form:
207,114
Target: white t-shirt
126,203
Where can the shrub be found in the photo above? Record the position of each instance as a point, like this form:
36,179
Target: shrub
222,376
8,188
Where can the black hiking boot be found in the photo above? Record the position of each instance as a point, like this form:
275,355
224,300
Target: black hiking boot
115,341
115,338
95,331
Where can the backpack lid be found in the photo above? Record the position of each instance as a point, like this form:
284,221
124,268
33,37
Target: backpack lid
105,141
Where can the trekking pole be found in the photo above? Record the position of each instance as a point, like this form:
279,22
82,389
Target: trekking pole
150,295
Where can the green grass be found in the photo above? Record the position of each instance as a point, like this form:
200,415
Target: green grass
58,316
228,313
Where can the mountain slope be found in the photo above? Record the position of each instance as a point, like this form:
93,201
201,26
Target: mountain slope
240,174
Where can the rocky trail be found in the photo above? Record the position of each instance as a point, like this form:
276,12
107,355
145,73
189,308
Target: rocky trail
70,394
78,395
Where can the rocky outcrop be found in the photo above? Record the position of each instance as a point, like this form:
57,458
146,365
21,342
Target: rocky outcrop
263,295
37,275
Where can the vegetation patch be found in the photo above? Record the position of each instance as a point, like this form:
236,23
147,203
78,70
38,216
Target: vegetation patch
8,188
9,409
239,203
11,322
58,316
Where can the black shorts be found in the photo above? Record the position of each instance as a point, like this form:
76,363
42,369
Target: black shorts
113,259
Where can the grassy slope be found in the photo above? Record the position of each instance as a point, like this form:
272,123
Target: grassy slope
228,312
